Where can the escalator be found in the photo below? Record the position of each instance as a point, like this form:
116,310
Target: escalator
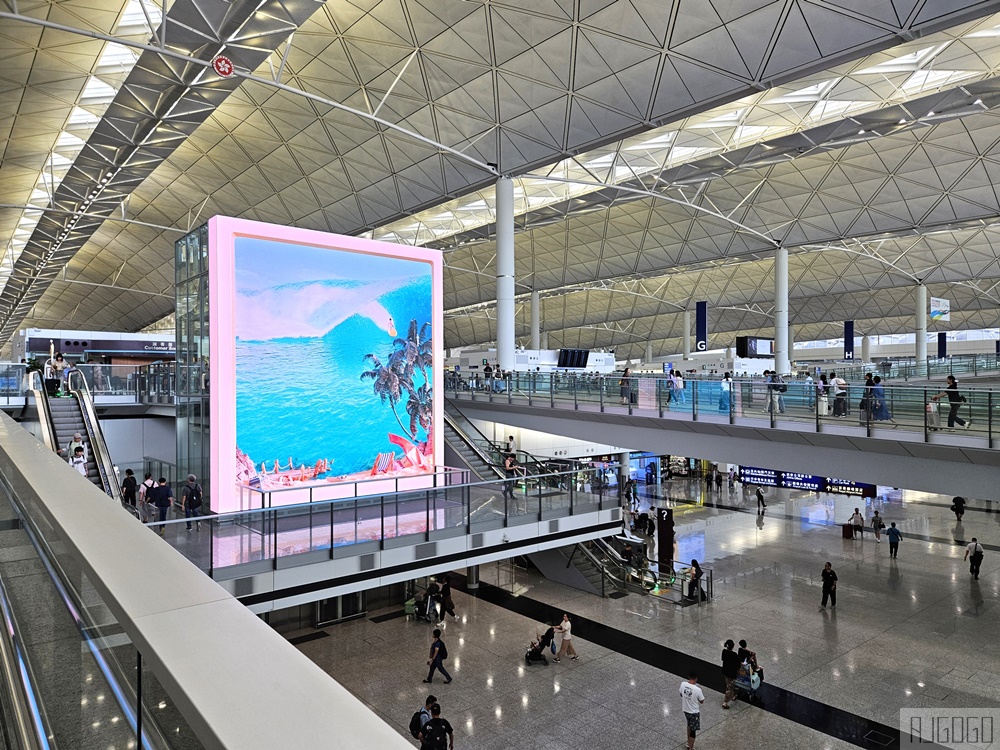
60,417
477,452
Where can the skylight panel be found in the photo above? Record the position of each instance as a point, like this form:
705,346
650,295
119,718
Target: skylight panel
96,90
904,63
927,79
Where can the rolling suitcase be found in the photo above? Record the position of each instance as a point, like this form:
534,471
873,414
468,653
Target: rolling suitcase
933,416
823,405
848,531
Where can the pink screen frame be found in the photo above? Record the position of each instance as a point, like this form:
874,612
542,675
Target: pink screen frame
222,234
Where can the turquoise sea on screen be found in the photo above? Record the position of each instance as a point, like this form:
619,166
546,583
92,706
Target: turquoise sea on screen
303,398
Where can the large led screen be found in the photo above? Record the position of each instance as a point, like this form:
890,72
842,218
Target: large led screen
324,352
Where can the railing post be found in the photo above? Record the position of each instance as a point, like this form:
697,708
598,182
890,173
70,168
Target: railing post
989,418
629,385
925,403
659,397
601,390
694,399
576,405
552,392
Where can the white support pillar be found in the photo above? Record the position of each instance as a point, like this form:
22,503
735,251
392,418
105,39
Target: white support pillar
781,363
686,335
866,349
505,273
625,471
536,321
920,318
649,354
545,340
791,343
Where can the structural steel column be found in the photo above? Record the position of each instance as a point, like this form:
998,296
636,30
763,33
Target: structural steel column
866,349
920,315
791,343
505,273
536,321
686,338
545,339
649,354
781,310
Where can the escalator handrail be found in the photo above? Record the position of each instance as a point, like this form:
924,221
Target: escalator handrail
473,445
105,468
29,721
41,397
531,460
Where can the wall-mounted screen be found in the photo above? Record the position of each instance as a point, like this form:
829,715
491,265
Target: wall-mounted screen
325,356
573,358
752,346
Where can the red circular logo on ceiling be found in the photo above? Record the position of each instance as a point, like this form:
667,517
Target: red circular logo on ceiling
223,66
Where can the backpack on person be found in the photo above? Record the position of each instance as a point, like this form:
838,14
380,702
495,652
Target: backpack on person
416,724
442,650
435,734
779,385
194,496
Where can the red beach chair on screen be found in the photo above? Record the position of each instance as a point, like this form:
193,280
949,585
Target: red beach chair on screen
383,463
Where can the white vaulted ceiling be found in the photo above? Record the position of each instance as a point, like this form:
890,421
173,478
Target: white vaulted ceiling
689,99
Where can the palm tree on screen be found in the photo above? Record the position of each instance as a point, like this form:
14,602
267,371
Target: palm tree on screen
387,382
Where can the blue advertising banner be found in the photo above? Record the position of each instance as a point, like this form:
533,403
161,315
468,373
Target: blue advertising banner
848,339
942,344
701,326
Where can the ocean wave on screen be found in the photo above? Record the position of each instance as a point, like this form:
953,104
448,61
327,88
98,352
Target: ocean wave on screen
310,309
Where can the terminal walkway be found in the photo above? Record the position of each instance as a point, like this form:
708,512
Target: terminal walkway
913,632
906,453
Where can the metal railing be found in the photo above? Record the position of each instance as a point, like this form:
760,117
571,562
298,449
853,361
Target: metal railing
102,457
134,647
387,519
908,409
488,450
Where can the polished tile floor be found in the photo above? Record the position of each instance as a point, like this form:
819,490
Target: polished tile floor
913,632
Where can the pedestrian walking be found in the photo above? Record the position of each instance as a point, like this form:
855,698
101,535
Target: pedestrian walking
829,586
958,507
162,497
691,699
893,535
955,401
191,500
730,670
877,525
858,523
129,487
839,387
718,481
566,629
444,596
510,470
421,717
437,733
760,499
439,652
974,554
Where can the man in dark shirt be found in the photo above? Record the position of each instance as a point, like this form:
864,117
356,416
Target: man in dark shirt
730,669
829,586
162,497
437,733
129,487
